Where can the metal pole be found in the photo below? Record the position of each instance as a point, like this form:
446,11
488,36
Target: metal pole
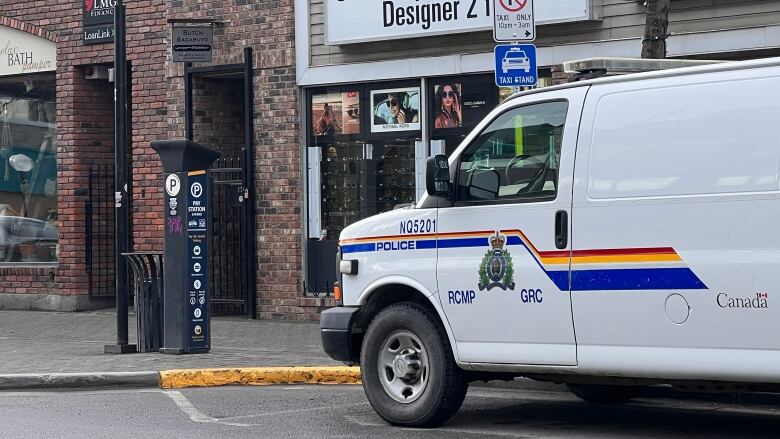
122,237
188,124
249,181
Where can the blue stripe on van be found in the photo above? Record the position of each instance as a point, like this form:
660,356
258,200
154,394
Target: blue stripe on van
635,279
463,242
559,278
358,248
630,279
426,244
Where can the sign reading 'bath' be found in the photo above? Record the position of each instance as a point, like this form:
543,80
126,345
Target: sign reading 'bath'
22,53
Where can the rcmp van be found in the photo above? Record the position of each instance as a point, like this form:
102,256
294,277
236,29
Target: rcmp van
607,234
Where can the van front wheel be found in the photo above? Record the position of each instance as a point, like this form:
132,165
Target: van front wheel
409,374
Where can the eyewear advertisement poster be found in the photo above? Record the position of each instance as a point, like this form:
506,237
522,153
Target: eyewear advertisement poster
448,106
461,102
396,109
336,113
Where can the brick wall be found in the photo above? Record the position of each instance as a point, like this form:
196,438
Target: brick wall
267,27
218,114
559,76
85,132
85,129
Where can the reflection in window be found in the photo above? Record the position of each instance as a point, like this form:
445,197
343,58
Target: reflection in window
517,155
28,169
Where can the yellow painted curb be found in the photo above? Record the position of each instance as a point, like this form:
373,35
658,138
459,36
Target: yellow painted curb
258,376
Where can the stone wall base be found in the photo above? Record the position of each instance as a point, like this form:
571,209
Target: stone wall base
52,302
301,308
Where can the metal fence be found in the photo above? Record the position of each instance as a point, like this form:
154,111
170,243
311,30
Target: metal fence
99,231
229,294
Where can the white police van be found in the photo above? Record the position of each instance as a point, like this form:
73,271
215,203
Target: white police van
606,234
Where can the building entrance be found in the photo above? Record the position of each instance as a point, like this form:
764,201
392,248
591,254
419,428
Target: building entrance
219,114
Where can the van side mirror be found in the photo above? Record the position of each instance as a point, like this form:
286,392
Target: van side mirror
437,176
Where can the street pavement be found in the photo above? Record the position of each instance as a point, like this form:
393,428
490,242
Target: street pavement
46,342
343,412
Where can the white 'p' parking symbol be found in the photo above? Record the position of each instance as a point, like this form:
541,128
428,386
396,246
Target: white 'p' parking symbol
172,185
196,190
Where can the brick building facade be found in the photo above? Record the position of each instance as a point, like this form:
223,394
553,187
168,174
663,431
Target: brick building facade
85,133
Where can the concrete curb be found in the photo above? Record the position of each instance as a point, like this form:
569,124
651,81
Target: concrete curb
52,381
259,376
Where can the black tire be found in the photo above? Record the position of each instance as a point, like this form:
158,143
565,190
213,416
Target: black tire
604,394
446,385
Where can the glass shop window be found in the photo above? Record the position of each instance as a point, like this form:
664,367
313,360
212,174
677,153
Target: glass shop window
28,169
366,138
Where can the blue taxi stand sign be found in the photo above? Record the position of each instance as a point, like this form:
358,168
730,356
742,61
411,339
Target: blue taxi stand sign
516,65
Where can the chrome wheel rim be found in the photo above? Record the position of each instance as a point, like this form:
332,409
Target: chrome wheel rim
403,367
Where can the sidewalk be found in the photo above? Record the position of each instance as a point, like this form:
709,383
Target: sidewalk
45,342
65,350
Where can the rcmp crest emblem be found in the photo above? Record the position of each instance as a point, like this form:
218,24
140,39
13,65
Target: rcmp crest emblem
496,270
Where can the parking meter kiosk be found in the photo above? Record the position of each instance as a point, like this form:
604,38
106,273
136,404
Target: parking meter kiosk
186,320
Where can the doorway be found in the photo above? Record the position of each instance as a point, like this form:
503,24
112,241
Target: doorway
218,101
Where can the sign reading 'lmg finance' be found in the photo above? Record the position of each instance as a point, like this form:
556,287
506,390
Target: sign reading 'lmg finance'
98,21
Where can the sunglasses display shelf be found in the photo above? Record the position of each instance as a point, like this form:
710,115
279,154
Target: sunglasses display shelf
341,193
354,187
395,180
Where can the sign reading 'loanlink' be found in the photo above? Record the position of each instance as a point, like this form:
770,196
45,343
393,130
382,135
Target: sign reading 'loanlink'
98,21
192,44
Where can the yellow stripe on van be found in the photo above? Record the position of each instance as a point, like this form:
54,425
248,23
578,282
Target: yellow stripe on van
668,257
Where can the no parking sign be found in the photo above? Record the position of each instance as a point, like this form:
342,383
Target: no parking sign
513,20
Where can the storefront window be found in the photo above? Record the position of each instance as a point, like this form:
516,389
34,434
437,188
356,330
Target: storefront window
359,180
28,169
364,139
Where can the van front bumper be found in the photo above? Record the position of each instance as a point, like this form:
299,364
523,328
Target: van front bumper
336,328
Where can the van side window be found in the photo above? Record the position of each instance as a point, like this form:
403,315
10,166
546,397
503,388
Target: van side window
515,159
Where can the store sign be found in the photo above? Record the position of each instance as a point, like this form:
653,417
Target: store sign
354,21
192,43
98,21
22,53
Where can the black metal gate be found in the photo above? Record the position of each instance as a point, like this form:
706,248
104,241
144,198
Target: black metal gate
99,231
229,284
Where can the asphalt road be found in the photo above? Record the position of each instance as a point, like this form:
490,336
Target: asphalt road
343,412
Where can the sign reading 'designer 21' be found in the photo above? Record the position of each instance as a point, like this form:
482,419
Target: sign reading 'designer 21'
355,21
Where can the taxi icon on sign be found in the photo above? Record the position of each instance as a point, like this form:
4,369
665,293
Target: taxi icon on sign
515,59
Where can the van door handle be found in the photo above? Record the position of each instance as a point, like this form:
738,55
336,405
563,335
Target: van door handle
561,229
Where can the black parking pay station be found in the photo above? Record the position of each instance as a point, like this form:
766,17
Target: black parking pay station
186,323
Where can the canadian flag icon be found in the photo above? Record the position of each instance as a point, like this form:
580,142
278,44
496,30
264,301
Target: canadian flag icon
762,295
